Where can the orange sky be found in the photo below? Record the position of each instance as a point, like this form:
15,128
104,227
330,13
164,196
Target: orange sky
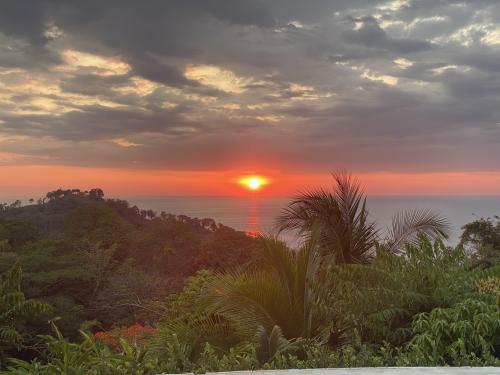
35,181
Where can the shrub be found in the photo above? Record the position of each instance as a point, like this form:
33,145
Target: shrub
380,299
89,357
468,333
15,311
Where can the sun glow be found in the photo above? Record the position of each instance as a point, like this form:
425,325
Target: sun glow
253,182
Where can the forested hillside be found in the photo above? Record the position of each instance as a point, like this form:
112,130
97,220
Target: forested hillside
101,263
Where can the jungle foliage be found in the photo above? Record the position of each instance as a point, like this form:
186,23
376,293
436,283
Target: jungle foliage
99,262
346,297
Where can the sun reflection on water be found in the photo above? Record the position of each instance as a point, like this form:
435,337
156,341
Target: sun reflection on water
253,224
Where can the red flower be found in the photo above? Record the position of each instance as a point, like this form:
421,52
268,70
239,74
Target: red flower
135,335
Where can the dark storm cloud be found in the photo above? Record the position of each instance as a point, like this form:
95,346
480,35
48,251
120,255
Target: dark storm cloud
478,86
134,29
93,123
27,57
370,34
337,83
484,59
153,70
91,84
24,19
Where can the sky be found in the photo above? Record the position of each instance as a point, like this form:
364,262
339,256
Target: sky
186,96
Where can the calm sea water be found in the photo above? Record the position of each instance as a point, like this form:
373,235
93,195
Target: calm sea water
257,214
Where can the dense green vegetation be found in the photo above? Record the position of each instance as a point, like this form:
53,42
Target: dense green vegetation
100,263
111,289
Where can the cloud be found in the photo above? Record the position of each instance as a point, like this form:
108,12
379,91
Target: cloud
223,80
214,84
125,143
370,34
76,61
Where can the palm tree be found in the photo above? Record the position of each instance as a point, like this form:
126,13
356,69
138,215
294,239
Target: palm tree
282,290
277,292
345,231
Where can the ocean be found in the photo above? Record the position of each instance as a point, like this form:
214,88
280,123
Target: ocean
255,214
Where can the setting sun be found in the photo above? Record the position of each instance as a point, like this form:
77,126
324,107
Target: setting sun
253,182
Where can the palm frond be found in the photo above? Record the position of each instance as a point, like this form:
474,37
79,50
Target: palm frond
407,225
276,294
247,299
276,255
307,208
340,216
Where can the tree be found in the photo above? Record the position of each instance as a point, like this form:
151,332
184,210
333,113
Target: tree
17,232
239,249
97,224
379,299
16,204
482,240
56,274
96,193
15,310
345,231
